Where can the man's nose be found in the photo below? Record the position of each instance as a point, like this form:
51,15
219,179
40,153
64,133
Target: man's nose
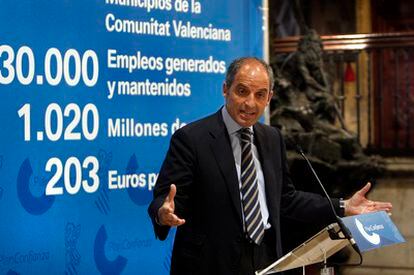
250,100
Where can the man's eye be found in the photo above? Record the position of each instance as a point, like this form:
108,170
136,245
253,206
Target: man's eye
260,95
241,91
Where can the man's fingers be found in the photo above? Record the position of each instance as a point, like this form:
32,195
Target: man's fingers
173,220
382,205
176,221
171,194
364,189
166,210
166,214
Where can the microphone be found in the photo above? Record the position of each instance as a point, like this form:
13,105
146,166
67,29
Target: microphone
341,224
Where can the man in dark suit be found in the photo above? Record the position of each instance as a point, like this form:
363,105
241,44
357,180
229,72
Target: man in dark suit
225,184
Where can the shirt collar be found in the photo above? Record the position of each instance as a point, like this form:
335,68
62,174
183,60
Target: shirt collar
231,125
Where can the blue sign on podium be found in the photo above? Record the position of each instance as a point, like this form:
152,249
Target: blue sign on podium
373,230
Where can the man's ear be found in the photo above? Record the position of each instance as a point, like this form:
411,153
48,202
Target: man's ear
225,90
270,97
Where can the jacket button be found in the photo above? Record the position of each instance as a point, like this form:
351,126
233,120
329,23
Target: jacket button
239,238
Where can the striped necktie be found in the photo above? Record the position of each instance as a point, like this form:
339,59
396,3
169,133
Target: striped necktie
249,189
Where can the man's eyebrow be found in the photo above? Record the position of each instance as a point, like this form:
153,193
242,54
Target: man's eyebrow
241,85
264,90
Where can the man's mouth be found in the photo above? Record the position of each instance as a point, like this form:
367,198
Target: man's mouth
247,113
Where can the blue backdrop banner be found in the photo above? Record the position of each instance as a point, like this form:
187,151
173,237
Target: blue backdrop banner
90,94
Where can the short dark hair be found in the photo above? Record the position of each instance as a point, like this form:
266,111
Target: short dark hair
236,64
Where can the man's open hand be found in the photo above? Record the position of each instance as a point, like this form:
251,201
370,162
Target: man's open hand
166,214
359,204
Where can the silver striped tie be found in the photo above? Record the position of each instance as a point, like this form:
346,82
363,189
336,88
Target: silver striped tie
250,192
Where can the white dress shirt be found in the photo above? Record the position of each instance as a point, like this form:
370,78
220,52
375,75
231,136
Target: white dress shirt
233,130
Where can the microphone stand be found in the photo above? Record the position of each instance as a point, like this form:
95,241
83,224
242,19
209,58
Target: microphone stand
341,224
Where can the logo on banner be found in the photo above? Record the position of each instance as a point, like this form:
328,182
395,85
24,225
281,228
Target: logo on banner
32,204
72,234
102,202
373,238
137,195
104,265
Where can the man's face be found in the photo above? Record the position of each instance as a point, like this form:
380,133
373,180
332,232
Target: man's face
249,93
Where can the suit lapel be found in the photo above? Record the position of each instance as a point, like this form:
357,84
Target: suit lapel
223,153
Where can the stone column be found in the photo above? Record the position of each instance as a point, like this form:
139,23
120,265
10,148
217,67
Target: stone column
363,25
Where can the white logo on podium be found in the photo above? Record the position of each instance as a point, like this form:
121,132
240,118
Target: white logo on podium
373,238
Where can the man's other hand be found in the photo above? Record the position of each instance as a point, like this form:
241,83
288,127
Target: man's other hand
166,214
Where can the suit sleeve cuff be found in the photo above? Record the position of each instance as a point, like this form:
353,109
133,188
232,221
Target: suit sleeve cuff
339,205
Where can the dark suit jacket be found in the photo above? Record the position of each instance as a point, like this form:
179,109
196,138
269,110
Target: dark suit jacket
200,162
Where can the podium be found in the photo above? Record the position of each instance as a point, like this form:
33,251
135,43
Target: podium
315,250
370,231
